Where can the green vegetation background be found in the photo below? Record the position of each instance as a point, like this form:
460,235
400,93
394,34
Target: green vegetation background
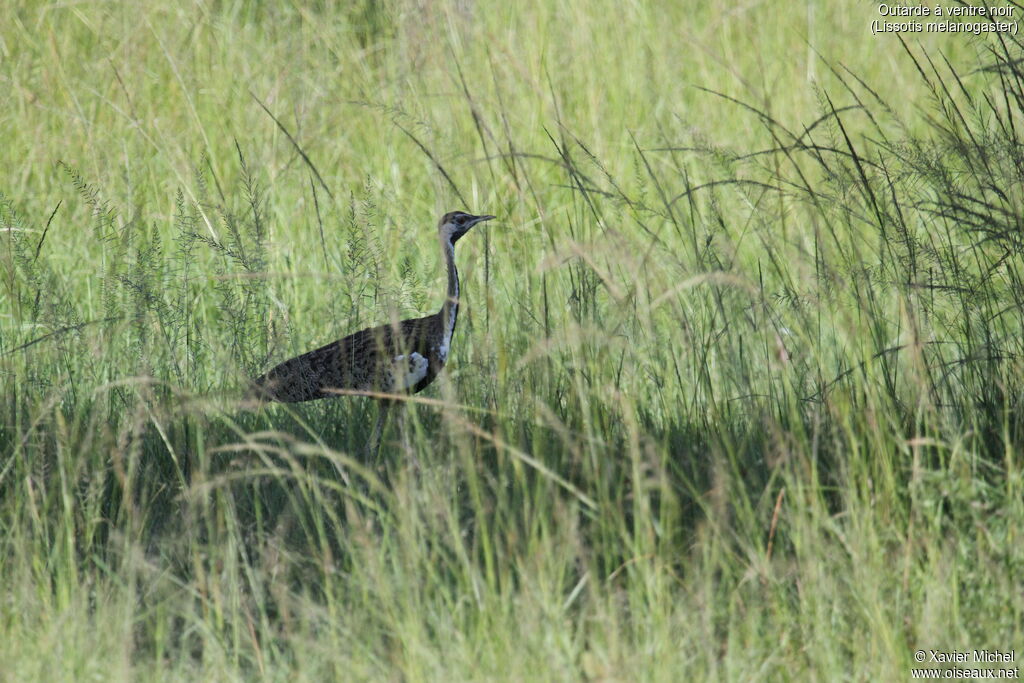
735,393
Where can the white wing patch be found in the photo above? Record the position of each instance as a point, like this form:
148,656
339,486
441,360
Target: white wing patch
407,371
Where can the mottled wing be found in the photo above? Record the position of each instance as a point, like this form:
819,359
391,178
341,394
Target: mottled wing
364,361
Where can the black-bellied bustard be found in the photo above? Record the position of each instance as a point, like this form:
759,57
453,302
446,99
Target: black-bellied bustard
403,357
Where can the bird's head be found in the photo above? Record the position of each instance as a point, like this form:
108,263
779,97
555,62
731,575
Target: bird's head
455,224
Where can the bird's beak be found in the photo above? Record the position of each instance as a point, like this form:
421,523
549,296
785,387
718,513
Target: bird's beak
481,219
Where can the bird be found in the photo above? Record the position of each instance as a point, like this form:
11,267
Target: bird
396,358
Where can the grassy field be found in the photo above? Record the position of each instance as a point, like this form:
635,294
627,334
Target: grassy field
735,393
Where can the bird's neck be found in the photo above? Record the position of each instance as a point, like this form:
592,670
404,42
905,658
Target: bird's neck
450,309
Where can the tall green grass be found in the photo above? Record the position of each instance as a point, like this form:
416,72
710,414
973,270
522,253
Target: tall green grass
735,393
